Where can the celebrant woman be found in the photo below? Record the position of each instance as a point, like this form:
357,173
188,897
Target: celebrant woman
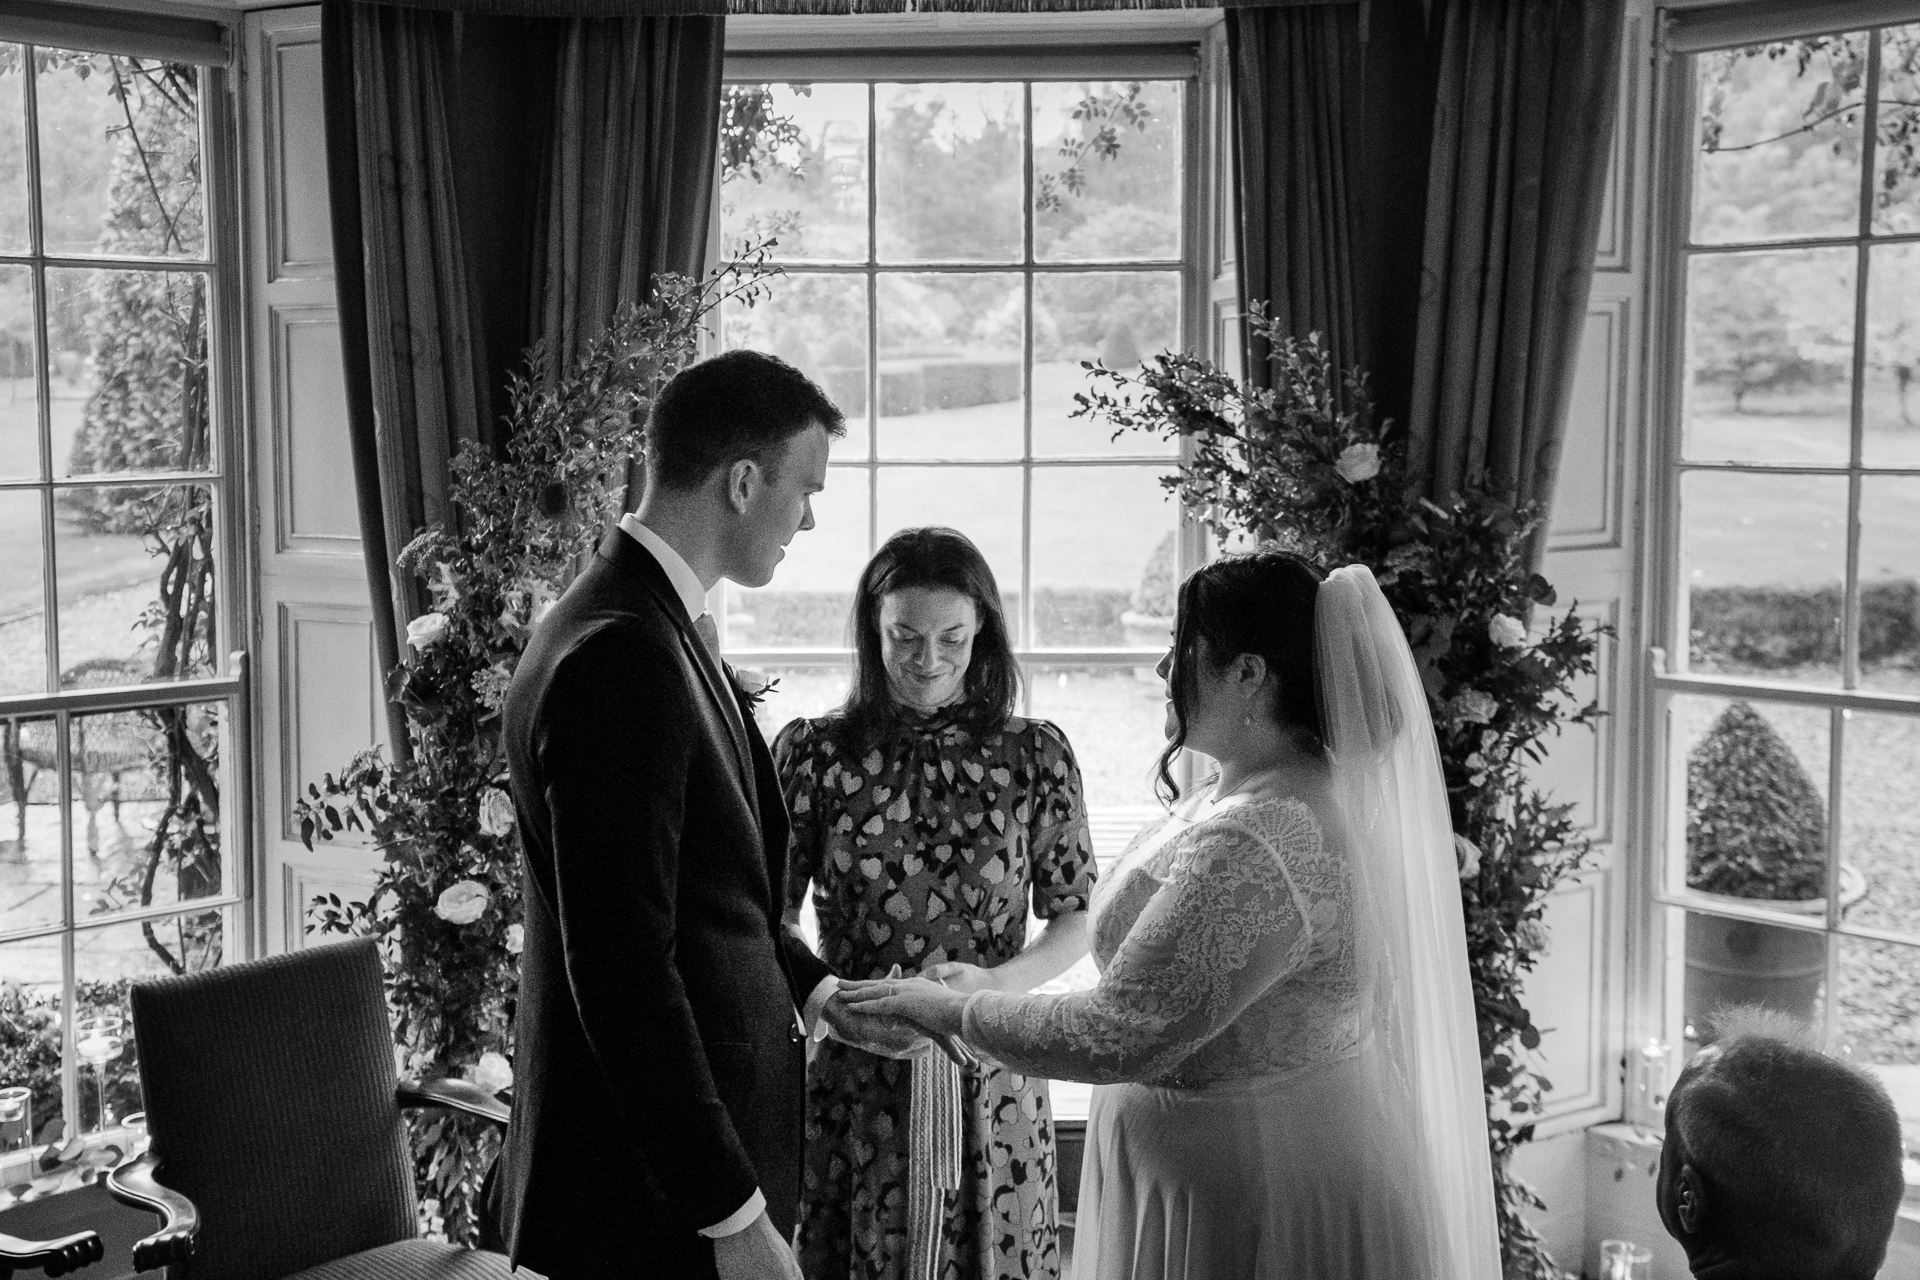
928,820
1283,1030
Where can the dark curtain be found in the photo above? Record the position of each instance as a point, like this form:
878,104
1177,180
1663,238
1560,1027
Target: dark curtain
493,180
1332,110
1522,130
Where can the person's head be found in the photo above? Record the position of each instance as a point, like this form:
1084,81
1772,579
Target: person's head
928,633
1243,652
1779,1155
745,434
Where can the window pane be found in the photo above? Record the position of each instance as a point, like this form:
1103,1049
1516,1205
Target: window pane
806,603
130,371
949,172
1890,583
1892,416
1880,819
23,611
1896,205
1879,1026
29,829
1106,171
119,155
1103,556
794,169
1115,717
817,324
1117,318
950,361
1764,559
19,389
1769,356
803,693
146,806
1756,822
13,151
136,576
1779,144
107,962
29,1053
981,502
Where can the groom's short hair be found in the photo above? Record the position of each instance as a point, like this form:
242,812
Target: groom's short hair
739,404
1801,1151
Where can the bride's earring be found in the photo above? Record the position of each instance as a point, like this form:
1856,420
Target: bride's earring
1246,720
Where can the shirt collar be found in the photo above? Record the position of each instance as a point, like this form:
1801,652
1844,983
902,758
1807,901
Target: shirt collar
686,584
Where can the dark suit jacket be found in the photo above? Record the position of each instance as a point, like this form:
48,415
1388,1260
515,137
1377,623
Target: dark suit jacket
659,1076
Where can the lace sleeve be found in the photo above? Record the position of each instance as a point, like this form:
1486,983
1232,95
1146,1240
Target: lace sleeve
1227,923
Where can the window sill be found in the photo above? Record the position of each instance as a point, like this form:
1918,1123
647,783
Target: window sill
25,1175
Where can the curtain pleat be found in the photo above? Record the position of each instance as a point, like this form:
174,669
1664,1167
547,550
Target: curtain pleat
1294,80
1523,127
493,180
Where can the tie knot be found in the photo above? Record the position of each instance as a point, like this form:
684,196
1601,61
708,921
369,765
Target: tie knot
709,633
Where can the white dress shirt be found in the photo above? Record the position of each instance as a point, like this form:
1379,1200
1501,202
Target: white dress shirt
693,598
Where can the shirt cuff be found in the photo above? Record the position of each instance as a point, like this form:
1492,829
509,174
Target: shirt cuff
810,1019
739,1220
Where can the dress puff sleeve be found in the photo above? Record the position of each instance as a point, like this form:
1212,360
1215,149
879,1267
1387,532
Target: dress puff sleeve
1061,845
1226,923
796,762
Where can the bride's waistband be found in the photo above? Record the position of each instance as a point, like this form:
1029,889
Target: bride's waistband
1245,1086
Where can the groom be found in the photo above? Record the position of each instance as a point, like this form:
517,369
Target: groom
663,1014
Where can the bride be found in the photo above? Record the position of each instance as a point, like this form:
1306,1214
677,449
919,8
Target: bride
1283,1030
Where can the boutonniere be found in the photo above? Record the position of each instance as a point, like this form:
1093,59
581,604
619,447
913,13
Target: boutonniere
754,686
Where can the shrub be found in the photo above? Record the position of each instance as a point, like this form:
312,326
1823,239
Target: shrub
1756,828
1770,628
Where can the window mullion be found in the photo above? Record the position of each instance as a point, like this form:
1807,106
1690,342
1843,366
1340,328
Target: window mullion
1025,635
1862,285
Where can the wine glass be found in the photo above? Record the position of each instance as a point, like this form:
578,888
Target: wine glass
1625,1260
98,1040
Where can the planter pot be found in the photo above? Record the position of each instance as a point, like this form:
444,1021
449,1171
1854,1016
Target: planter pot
1146,631
1740,962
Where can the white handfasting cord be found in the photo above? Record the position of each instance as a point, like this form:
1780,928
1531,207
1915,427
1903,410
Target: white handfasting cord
933,1156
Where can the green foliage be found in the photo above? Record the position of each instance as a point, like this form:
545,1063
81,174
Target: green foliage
1772,628
446,904
30,1054
1101,117
1756,827
1305,465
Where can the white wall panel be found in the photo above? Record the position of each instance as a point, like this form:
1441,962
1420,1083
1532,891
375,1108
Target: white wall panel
314,488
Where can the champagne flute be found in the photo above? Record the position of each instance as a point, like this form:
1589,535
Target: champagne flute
16,1118
98,1040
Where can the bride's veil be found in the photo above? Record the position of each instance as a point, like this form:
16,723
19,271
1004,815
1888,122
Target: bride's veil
1410,935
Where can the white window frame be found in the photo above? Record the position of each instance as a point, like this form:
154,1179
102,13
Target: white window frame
207,44
951,47
1658,883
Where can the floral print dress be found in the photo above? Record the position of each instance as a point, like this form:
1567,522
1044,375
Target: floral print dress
929,847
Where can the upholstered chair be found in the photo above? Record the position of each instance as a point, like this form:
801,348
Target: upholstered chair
277,1143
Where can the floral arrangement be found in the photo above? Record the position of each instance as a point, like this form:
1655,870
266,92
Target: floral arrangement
1304,464
446,904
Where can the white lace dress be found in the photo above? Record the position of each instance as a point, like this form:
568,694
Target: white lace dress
1239,1131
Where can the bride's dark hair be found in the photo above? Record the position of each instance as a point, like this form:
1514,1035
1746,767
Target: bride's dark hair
1260,603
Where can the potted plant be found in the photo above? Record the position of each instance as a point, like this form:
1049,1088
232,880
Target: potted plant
1756,830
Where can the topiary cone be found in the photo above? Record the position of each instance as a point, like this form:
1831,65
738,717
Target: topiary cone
1756,827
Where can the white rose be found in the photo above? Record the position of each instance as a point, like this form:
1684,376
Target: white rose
1358,462
1506,631
516,938
427,630
1467,854
463,903
1531,935
491,1073
496,812
1475,706
752,683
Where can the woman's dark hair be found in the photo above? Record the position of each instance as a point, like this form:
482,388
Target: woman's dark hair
1260,603
932,557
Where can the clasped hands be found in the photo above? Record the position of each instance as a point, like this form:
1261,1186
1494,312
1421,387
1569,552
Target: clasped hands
897,1016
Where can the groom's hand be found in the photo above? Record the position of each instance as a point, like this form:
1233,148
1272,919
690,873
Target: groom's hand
758,1253
888,1037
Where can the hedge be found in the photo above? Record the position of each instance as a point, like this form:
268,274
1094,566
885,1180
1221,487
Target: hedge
1066,616
1774,627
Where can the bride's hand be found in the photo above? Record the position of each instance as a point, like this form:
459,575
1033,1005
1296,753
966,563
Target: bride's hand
926,1004
957,975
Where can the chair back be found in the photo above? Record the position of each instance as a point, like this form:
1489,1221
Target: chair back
269,1094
